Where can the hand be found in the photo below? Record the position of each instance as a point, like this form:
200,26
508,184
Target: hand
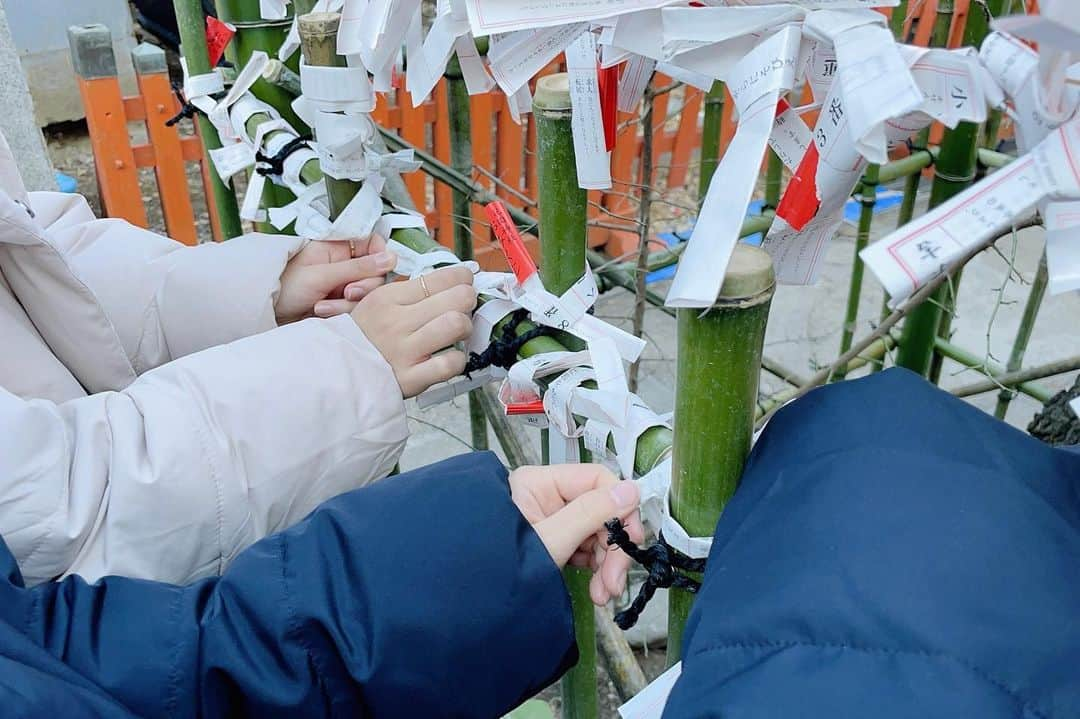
408,326
567,505
323,281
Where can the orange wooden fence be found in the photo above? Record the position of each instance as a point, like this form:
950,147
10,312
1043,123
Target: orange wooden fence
503,152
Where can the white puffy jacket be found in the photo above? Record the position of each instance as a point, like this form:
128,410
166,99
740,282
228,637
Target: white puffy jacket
154,421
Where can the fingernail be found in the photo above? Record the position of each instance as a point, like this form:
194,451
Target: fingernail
322,308
625,494
384,260
354,294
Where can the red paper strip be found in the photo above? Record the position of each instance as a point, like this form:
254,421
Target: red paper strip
218,36
608,79
801,202
513,246
536,407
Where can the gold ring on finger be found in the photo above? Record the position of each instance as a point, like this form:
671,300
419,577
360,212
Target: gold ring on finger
424,287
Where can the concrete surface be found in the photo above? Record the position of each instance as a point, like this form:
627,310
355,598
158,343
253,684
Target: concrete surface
17,121
40,31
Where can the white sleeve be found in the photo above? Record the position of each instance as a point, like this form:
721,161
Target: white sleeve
172,477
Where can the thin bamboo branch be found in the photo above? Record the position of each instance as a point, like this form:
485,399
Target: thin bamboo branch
1018,377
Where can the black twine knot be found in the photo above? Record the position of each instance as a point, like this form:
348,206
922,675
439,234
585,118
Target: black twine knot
660,560
503,350
187,110
274,165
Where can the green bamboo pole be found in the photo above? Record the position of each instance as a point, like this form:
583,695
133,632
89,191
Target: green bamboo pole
563,242
716,390
868,198
192,27
255,34
279,74
1023,333
954,171
461,159
318,39
711,129
774,179
896,24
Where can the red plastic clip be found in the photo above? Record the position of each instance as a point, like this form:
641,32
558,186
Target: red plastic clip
535,407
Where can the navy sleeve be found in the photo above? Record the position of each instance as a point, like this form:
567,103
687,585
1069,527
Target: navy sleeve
892,552
425,595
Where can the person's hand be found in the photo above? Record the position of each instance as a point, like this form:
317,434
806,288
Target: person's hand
409,322
567,505
324,280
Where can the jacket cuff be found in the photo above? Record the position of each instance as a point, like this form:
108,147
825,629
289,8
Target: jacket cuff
220,292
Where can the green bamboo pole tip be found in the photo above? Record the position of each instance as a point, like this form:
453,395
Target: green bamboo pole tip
563,251
716,392
318,39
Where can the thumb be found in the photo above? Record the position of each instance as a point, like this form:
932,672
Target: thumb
566,530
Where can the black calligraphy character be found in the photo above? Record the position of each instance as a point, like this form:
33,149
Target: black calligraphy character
927,250
836,111
830,67
959,96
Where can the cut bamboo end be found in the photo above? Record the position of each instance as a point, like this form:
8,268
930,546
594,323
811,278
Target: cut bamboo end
552,92
316,25
750,277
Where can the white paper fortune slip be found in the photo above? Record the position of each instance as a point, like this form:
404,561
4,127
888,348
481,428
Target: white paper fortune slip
909,257
1063,246
755,83
590,147
649,703
491,16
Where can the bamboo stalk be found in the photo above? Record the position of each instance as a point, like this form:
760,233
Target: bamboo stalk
1012,379
716,389
1023,333
562,249
866,218
617,656
711,128
318,40
192,28
644,226
953,172
774,180
461,158
255,34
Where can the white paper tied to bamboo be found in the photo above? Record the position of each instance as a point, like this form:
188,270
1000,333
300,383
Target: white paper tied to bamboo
906,259
756,85
273,9
517,58
811,212
501,16
590,144
375,30
250,208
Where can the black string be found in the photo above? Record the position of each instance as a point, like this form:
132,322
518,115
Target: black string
187,110
660,560
274,165
503,350
912,149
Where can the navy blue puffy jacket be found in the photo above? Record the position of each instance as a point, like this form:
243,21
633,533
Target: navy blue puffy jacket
892,553
426,595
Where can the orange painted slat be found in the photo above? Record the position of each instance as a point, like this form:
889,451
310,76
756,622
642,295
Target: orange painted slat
483,143
118,176
171,173
413,130
191,148
444,197
687,137
134,108
510,155
144,155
